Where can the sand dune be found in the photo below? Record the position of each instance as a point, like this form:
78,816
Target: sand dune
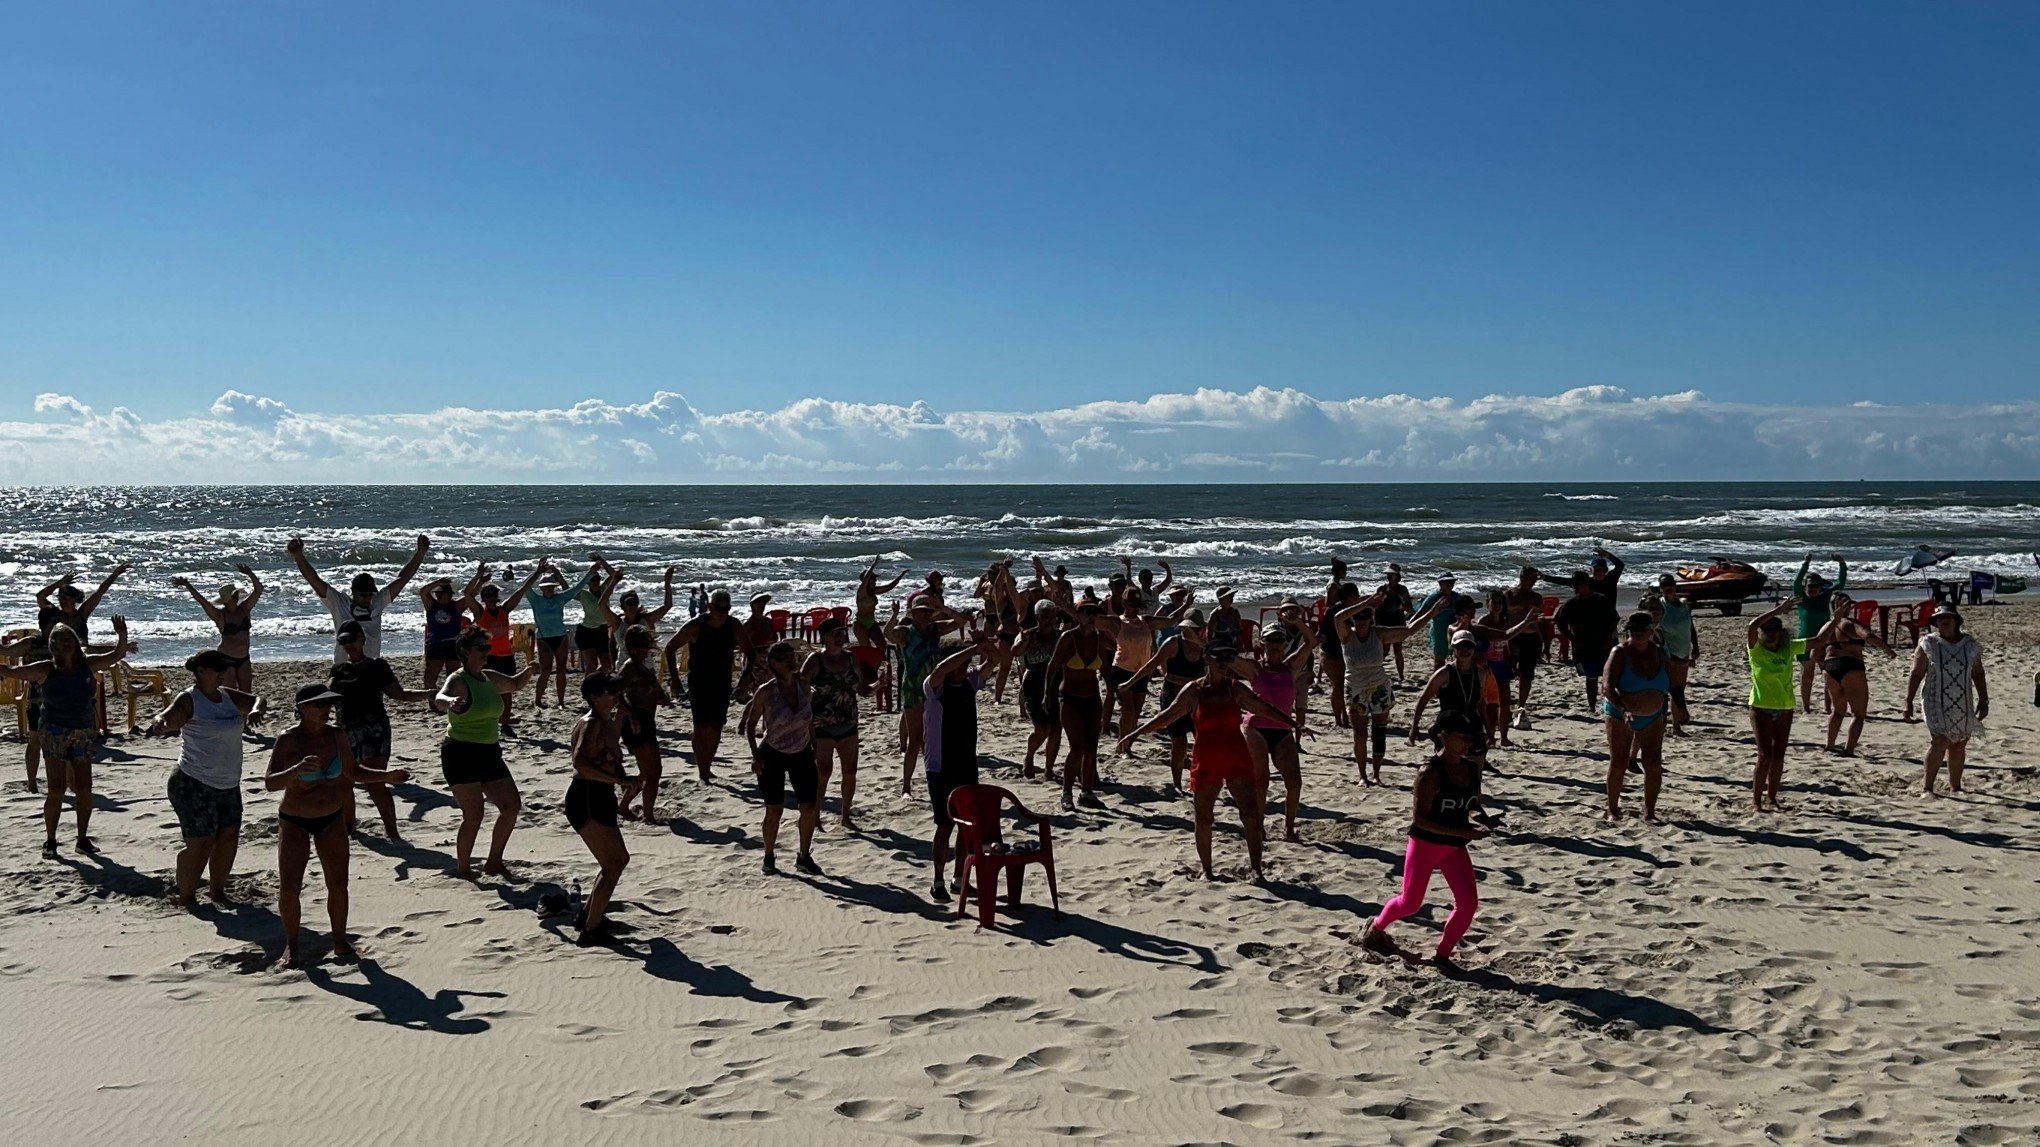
1860,969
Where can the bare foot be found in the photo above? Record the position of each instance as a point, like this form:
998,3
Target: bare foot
496,868
463,872
286,962
1289,834
1612,815
220,897
343,951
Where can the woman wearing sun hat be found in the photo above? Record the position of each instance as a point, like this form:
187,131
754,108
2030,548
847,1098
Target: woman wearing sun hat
205,787
1949,663
230,614
313,767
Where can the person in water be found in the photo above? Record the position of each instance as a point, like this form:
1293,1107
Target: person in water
471,755
363,683
205,787
779,724
313,767
363,602
1771,657
1445,817
1949,663
1220,760
1272,744
1636,686
70,723
713,642
833,674
590,802
1816,605
230,614
1838,647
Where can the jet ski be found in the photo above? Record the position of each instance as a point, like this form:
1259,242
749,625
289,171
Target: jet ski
1724,583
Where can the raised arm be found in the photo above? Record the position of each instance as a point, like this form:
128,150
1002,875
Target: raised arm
112,657
92,599
524,586
296,549
1758,622
1168,577
42,596
255,586
410,569
212,611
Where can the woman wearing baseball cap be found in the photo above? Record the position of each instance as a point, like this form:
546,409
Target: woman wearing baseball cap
313,766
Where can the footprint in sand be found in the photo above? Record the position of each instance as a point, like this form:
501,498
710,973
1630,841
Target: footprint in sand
1254,1115
878,1110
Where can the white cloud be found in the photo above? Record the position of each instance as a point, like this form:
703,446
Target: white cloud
1588,433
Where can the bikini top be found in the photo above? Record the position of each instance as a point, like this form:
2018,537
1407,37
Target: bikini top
235,626
1079,661
1633,682
329,771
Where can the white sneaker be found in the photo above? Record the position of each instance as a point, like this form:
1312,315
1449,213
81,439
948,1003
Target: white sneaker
1523,719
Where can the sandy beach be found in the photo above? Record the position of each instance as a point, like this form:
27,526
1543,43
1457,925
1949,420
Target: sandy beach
1859,969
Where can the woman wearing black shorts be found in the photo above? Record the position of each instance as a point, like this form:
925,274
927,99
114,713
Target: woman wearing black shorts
471,756
1042,705
638,683
783,711
590,803
1180,660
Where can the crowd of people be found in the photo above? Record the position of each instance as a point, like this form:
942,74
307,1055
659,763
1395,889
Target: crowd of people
1231,712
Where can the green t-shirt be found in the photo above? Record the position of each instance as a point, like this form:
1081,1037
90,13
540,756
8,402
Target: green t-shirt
1771,673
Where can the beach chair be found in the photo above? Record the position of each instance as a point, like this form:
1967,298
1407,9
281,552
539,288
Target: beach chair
520,639
981,855
1249,633
779,619
1918,623
841,613
133,684
811,622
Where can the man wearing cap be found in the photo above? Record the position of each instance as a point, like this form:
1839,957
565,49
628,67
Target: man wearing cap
362,602
1460,688
1816,596
1447,600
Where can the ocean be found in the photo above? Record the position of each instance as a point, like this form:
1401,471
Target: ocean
804,544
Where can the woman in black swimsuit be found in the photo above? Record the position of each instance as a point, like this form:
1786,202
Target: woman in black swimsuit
591,803
837,682
313,767
230,614
1042,705
1838,647
637,683
1073,671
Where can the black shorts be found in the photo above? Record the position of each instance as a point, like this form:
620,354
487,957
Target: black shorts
708,699
589,800
557,644
1044,708
370,742
776,770
954,775
640,727
591,637
1118,678
234,662
1589,661
448,650
506,664
1329,652
1525,651
470,763
1273,738
203,810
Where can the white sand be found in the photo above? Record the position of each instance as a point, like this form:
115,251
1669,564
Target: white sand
1859,969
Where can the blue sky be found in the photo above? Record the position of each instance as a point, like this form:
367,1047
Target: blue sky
389,208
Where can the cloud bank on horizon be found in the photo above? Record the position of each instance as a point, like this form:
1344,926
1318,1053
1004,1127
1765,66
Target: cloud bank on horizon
1594,433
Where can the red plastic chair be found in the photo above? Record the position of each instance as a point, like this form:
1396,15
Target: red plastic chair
778,618
975,809
1551,634
811,624
1250,633
1918,623
841,613
1865,612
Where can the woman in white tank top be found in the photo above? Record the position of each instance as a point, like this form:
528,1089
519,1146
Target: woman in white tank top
205,789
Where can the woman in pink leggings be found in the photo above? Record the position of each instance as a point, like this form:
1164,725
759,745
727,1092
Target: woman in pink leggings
1447,799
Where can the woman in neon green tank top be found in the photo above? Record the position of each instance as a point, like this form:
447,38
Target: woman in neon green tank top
470,758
